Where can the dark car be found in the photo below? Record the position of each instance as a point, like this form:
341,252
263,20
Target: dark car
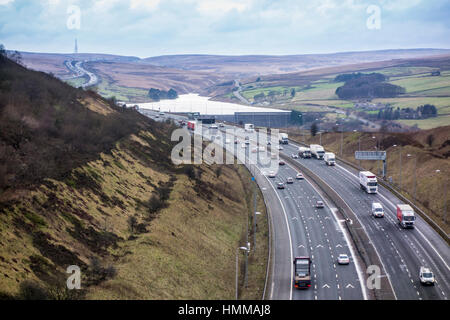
281,163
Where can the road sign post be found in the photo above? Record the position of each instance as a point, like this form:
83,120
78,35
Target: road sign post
372,155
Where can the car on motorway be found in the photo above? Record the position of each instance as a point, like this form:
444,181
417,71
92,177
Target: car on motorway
319,204
227,141
426,276
343,259
236,141
294,156
280,148
268,143
221,125
271,174
289,180
280,185
377,210
281,163
299,176
244,145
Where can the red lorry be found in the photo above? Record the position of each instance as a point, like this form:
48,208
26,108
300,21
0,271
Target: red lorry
191,125
405,215
302,272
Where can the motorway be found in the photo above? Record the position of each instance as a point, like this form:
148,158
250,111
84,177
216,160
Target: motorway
79,71
300,229
402,251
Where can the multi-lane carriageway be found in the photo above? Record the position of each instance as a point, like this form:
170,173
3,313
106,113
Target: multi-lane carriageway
300,229
402,251
303,230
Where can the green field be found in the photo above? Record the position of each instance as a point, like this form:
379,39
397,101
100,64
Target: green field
428,123
280,90
108,89
420,84
77,82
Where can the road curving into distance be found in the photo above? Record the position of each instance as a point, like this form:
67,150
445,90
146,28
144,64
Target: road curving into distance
298,229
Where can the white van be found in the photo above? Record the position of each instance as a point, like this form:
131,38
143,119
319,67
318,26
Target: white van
377,210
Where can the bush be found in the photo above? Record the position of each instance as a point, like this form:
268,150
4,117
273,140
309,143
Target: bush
31,290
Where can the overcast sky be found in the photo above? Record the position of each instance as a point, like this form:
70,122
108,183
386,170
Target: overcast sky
155,27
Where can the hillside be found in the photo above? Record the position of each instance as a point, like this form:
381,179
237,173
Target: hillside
87,183
252,65
424,80
430,157
130,78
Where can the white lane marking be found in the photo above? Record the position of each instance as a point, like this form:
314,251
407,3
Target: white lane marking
357,266
363,288
394,207
289,233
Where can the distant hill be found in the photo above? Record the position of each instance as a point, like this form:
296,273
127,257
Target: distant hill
249,65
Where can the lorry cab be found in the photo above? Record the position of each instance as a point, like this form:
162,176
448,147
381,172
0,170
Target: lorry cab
330,158
405,216
368,182
302,272
377,210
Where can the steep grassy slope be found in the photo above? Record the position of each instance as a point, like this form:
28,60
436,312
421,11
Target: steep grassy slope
113,203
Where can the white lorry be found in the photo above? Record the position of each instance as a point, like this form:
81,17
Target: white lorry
368,182
249,127
304,152
317,151
283,138
405,215
329,158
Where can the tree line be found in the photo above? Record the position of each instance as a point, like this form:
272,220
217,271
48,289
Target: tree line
421,112
157,94
372,85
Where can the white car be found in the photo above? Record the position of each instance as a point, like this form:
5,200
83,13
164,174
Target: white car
294,156
280,148
343,259
299,176
289,180
426,276
272,174
244,145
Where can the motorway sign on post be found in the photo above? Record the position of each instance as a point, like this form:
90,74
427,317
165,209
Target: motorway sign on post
372,155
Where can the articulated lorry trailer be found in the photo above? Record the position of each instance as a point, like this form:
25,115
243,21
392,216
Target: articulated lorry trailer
302,272
317,151
304,152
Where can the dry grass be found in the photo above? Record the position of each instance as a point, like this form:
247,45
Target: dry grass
187,253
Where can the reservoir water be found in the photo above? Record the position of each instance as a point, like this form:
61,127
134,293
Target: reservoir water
195,103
